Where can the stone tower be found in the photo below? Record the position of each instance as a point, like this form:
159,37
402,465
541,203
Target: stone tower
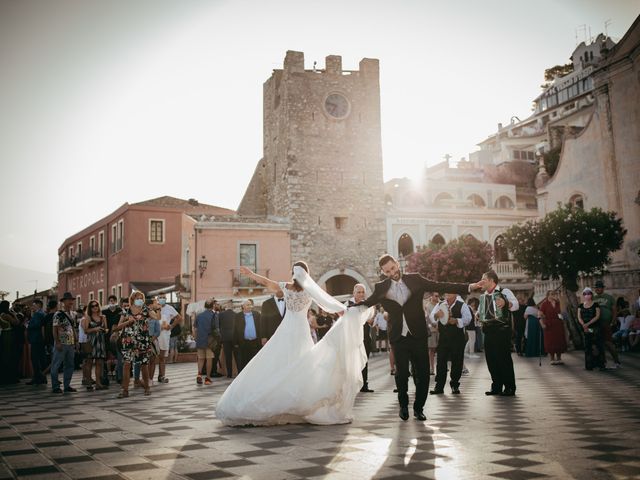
322,168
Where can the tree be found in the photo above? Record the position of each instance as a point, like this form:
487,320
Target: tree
556,71
564,245
463,260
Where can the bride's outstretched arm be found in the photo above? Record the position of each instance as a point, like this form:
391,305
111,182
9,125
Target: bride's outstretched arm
270,284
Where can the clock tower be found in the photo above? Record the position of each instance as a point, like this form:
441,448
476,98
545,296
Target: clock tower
322,168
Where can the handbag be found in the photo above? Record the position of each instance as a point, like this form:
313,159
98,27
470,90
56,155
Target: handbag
114,339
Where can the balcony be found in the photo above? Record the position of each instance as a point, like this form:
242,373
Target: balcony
69,265
245,285
89,258
511,274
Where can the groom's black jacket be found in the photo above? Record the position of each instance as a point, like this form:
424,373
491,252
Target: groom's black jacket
413,309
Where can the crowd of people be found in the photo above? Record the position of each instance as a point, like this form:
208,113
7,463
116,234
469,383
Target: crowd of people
134,336
107,344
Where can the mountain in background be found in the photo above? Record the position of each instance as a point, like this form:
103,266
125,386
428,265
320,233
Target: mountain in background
22,280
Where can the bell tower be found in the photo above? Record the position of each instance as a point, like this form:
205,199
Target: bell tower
322,167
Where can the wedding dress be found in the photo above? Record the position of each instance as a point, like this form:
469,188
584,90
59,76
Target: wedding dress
291,380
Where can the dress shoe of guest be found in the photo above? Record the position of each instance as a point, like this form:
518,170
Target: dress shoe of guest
366,389
436,391
72,390
404,413
493,392
56,390
508,392
419,415
455,390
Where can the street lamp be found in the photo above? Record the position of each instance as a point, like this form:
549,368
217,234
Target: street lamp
202,265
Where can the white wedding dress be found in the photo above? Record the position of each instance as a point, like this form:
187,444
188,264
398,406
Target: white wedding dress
291,380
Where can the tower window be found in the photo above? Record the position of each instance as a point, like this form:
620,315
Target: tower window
341,223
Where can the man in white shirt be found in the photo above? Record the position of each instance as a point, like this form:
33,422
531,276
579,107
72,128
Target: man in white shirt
380,324
401,296
451,340
167,314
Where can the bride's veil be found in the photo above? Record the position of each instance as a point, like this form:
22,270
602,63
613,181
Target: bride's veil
322,298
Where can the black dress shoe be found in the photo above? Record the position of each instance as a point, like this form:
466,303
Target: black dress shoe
455,390
366,390
508,392
436,391
419,415
493,392
404,413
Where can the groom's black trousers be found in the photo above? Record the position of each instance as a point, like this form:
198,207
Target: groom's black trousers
409,349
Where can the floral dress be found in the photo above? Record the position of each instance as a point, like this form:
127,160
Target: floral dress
97,341
136,342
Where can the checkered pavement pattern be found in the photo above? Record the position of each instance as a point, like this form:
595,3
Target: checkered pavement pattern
563,423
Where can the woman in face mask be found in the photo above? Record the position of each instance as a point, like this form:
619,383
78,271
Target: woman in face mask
136,343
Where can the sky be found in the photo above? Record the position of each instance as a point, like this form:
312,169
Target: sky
107,102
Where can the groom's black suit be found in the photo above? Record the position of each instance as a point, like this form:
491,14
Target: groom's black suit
412,347
271,317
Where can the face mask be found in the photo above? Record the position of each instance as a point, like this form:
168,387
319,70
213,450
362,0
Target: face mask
162,301
112,306
138,302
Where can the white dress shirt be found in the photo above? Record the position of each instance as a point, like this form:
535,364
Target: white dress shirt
465,313
400,293
281,304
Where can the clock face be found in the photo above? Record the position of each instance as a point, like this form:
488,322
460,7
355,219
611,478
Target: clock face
337,105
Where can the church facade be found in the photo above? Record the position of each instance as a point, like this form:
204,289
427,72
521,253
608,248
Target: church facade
321,169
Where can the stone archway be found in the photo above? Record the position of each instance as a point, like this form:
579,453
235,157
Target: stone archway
405,245
341,281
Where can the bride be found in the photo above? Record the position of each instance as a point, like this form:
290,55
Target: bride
291,380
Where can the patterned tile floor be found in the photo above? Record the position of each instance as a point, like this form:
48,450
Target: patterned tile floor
564,423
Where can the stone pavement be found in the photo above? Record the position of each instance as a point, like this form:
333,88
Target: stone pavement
564,423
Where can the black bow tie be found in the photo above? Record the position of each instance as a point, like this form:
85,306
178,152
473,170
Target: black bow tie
354,304
280,299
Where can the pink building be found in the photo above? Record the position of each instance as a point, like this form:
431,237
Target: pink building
138,246
175,246
224,244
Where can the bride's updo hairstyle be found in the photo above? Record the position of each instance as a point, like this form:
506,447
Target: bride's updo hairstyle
305,267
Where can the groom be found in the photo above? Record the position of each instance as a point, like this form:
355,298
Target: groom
401,296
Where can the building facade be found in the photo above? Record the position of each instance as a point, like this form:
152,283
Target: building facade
137,247
454,202
222,245
321,169
600,165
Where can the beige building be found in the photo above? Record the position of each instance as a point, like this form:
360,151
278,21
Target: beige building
455,202
600,165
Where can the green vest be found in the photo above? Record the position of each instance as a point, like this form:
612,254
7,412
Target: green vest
489,313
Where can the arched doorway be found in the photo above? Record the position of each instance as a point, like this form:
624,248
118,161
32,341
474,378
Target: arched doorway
340,285
500,252
341,281
438,240
405,245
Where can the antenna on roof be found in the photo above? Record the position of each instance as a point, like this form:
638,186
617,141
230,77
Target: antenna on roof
606,25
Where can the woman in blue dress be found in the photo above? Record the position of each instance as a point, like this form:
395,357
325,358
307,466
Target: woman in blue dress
533,331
